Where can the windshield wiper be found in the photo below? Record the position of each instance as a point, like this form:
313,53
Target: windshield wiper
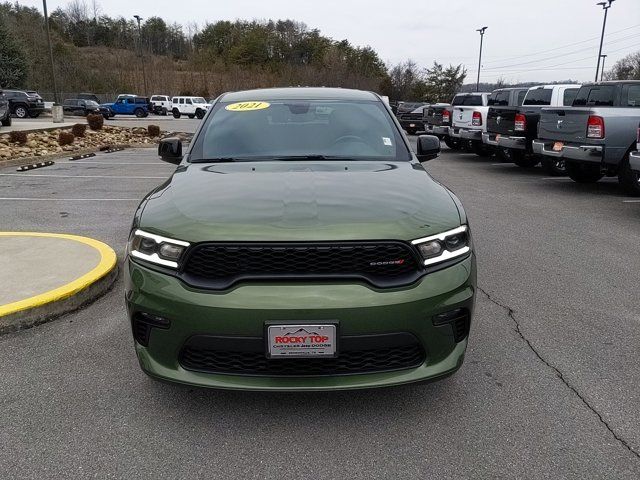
218,160
311,157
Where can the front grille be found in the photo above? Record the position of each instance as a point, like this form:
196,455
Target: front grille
383,264
411,116
358,355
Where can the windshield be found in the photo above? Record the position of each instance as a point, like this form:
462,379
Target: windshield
310,129
199,100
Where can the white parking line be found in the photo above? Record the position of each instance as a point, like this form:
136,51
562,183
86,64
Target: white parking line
77,176
71,199
71,162
556,178
631,201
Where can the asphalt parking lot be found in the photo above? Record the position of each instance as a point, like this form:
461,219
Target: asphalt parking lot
549,389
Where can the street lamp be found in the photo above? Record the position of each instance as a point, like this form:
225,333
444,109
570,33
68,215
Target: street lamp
602,69
144,75
481,30
605,6
53,70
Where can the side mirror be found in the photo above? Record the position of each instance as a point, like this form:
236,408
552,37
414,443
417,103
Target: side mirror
170,150
428,147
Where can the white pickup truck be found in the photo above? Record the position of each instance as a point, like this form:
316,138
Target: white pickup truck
469,120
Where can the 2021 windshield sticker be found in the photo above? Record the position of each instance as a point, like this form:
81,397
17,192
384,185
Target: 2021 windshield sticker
247,106
386,141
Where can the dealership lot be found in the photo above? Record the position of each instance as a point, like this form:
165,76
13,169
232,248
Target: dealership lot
549,388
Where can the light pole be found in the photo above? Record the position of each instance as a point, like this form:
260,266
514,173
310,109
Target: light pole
481,30
605,6
144,75
53,70
602,69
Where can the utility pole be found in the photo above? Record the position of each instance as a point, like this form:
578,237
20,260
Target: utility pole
53,70
602,69
481,30
605,6
144,75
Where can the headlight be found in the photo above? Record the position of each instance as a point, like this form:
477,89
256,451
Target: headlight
156,249
444,246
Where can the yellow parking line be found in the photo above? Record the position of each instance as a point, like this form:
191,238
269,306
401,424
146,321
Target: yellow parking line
105,265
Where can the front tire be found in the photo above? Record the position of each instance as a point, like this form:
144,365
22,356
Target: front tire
628,179
411,131
20,111
199,114
583,173
138,112
555,167
176,113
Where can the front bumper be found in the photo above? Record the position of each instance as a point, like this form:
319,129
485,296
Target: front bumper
582,153
634,161
243,311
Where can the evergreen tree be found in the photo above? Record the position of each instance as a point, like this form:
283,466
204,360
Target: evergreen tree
13,65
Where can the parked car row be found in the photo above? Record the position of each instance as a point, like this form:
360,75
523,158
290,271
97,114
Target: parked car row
584,131
23,103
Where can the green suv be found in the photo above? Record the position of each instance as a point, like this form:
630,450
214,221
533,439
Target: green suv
300,245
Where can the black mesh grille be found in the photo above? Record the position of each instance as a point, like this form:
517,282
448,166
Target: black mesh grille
141,332
222,265
217,357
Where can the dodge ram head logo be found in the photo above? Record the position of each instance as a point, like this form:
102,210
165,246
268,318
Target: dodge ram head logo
498,119
559,124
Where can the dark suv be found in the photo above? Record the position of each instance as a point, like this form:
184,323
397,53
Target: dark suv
5,113
78,106
23,103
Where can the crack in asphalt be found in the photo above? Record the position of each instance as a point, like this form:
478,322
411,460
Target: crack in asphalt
559,374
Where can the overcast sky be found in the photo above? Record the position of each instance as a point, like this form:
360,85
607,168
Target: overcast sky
527,40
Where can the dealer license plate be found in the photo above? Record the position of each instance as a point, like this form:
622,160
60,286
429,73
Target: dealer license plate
557,146
301,341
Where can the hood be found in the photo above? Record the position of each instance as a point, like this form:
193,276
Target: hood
108,105
299,201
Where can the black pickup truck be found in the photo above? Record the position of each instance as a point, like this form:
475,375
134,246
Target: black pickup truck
503,104
437,120
512,129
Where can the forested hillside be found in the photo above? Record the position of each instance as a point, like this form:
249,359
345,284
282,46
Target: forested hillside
98,53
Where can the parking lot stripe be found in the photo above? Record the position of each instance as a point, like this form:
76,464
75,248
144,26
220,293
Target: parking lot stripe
121,163
76,176
51,199
631,201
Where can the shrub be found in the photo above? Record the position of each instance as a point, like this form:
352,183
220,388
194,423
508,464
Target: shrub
65,138
154,130
78,129
18,137
95,121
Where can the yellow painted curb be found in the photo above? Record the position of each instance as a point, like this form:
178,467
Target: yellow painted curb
105,265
